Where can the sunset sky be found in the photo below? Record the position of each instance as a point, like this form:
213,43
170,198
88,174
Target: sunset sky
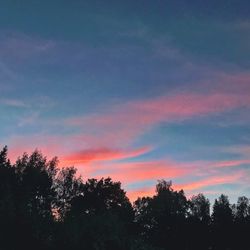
137,90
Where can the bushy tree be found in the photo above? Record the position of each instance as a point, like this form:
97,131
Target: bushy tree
100,217
163,216
200,208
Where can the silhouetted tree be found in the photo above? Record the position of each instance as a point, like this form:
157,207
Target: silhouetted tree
67,186
163,217
200,208
242,209
198,222
43,207
36,196
8,199
242,223
100,217
222,219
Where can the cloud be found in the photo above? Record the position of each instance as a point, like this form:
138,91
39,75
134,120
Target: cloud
18,46
135,171
231,163
14,103
126,122
192,187
210,181
241,150
102,154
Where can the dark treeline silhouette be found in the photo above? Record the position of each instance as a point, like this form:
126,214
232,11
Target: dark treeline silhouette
46,208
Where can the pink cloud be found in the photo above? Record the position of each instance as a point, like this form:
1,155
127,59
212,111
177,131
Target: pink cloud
102,154
231,163
124,123
210,181
130,172
192,187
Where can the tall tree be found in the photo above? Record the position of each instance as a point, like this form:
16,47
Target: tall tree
198,222
242,223
222,218
36,196
8,198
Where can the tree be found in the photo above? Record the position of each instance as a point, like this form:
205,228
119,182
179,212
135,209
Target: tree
200,208
67,186
100,217
222,211
36,196
242,209
163,217
242,222
222,218
8,197
198,222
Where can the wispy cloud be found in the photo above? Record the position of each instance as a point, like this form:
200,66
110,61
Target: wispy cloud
211,181
134,171
102,154
18,46
14,103
203,185
135,118
242,151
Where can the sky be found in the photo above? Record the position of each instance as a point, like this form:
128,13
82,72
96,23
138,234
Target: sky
135,90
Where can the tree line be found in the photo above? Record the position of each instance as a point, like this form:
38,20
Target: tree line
44,207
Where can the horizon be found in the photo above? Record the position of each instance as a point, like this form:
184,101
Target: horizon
138,91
